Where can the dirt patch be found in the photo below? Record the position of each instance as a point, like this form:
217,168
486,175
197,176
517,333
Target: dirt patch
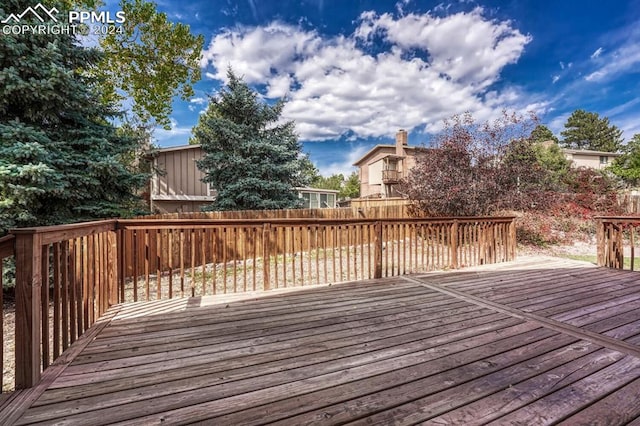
8,347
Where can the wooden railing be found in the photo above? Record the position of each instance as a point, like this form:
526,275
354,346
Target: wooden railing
6,252
616,240
169,258
67,276
390,176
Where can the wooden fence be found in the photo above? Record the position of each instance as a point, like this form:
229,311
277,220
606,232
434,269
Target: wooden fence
629,202
67,276
616,240
356,211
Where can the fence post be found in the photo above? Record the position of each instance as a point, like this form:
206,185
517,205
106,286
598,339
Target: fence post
266,255
28,308
600,241
113,267
377,250
453,244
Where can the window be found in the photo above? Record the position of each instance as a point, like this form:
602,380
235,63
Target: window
391,165
313,201
306,200
604,159
331,200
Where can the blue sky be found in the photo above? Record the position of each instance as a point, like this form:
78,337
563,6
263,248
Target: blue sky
357,71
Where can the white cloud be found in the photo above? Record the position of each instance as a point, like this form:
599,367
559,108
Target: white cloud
345,166
164,137
623,59
555,79
199,100
597,53
335,85
557,124
621,109
630,126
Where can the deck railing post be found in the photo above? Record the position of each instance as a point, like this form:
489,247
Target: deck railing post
28,258
113,267
453,244
266,255
600,242
377,250
513,237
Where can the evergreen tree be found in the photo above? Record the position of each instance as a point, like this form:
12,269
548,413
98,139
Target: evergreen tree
627,166
543,134
251,159
351,187
60,159
586,130
309,173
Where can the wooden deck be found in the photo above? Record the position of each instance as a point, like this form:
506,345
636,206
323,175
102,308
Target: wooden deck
537,341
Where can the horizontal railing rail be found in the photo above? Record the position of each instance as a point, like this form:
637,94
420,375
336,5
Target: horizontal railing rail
68,276
616,239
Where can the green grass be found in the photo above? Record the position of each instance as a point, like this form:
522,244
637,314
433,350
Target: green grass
593,259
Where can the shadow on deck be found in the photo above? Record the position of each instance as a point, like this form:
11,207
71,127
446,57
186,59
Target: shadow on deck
537,341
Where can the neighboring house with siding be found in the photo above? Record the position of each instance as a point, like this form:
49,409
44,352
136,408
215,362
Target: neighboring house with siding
382,167
591,159
176,184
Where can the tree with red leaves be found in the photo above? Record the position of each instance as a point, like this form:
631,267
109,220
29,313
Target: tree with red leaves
477,169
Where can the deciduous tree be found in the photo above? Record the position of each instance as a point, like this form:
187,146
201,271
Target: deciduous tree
627,166
151,61
351,187
477,169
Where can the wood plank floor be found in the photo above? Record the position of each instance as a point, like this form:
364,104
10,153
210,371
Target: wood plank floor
536,341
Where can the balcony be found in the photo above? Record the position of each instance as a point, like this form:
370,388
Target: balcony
390,176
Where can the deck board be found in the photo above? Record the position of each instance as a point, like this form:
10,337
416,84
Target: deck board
536,341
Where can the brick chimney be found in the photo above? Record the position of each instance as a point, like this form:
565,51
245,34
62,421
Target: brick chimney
401,141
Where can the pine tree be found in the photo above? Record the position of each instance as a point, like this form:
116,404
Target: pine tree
543,134
60,158
586,130
251,159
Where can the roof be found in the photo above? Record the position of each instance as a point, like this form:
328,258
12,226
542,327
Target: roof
309,189
379,147
589,152
177,148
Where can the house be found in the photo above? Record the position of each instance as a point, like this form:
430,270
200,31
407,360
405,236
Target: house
591,159
382,167
315,198
176,184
